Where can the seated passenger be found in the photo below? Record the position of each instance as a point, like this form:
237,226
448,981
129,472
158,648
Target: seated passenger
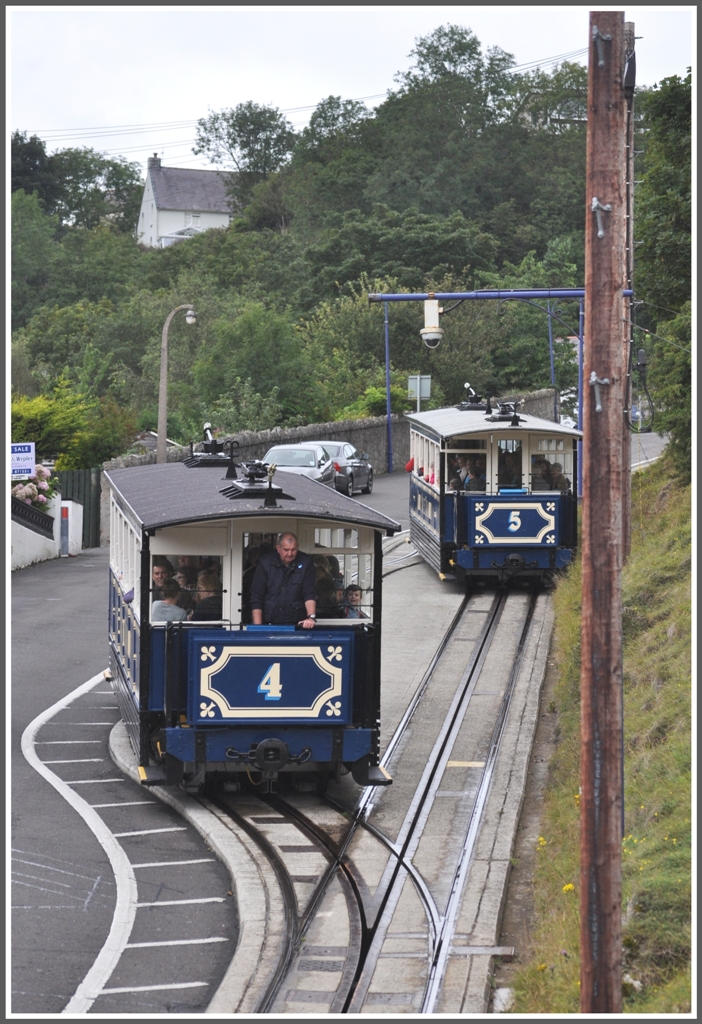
352,608
161,570
540,473
209,599
166,609
455,484
327,604
473,482
559,482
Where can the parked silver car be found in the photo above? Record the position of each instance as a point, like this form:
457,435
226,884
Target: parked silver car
351,470
310,460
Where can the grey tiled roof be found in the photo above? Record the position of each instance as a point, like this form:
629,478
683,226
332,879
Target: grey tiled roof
179,188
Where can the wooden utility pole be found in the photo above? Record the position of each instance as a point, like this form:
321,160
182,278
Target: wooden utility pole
604,380
629,80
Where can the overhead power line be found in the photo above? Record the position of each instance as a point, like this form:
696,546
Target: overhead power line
136,128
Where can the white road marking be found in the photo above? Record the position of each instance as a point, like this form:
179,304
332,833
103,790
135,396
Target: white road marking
64,724
126,803
48,867
150,831
179,903
46,743
125,881
76,760
90,782
173,863
155,988
176,942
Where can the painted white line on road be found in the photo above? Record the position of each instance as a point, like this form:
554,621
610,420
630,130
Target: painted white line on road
176,942
182,903
155,988
63,724
150,831
125,881
76,760
91,782
173,863
128,803
55,743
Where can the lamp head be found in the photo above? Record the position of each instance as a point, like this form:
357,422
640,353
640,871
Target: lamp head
191,317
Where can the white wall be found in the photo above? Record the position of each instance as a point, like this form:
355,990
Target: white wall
75,527
29,547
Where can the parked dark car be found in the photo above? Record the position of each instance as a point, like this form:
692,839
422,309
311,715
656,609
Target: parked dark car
310,460
351,470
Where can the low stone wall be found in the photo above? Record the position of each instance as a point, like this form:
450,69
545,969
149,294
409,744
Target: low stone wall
536,403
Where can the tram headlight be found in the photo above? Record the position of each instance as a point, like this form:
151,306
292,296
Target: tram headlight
431,332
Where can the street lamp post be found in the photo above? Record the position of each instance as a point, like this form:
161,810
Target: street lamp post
190,318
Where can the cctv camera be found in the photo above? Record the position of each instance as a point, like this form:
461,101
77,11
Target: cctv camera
432,336
431,332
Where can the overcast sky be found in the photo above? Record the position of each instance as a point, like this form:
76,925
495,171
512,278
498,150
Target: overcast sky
78,73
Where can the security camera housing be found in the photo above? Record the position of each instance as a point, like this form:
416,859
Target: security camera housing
431,336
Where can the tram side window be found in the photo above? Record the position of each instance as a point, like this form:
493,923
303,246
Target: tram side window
186,588
551,465
125,557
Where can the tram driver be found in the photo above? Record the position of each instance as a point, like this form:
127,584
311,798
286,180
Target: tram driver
283,591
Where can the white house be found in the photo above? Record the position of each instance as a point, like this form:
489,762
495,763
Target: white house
179,202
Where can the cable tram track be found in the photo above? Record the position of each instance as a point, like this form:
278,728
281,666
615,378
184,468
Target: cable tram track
370,916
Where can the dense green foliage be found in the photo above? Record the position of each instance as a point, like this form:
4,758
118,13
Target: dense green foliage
656,847
467,175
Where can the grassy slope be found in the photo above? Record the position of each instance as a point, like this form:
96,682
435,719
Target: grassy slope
656,899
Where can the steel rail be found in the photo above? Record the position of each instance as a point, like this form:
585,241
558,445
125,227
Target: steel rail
286,888
448,924
410,832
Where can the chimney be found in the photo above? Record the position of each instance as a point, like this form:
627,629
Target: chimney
154,161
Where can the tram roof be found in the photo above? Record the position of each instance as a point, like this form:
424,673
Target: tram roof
454,422
173,494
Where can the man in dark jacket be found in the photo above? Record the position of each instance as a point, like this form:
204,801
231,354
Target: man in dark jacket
283,590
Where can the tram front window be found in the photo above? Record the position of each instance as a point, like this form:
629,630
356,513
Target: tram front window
509,463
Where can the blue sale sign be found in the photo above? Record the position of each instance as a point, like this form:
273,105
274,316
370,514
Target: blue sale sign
22,459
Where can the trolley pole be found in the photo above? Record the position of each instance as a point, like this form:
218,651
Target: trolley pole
603,491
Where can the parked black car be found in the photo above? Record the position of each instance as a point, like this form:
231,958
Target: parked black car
351,470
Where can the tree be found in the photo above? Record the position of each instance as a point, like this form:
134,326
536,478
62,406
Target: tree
407,246
31,170
94,188
671,383
75,431
252,139
662,217
33,250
